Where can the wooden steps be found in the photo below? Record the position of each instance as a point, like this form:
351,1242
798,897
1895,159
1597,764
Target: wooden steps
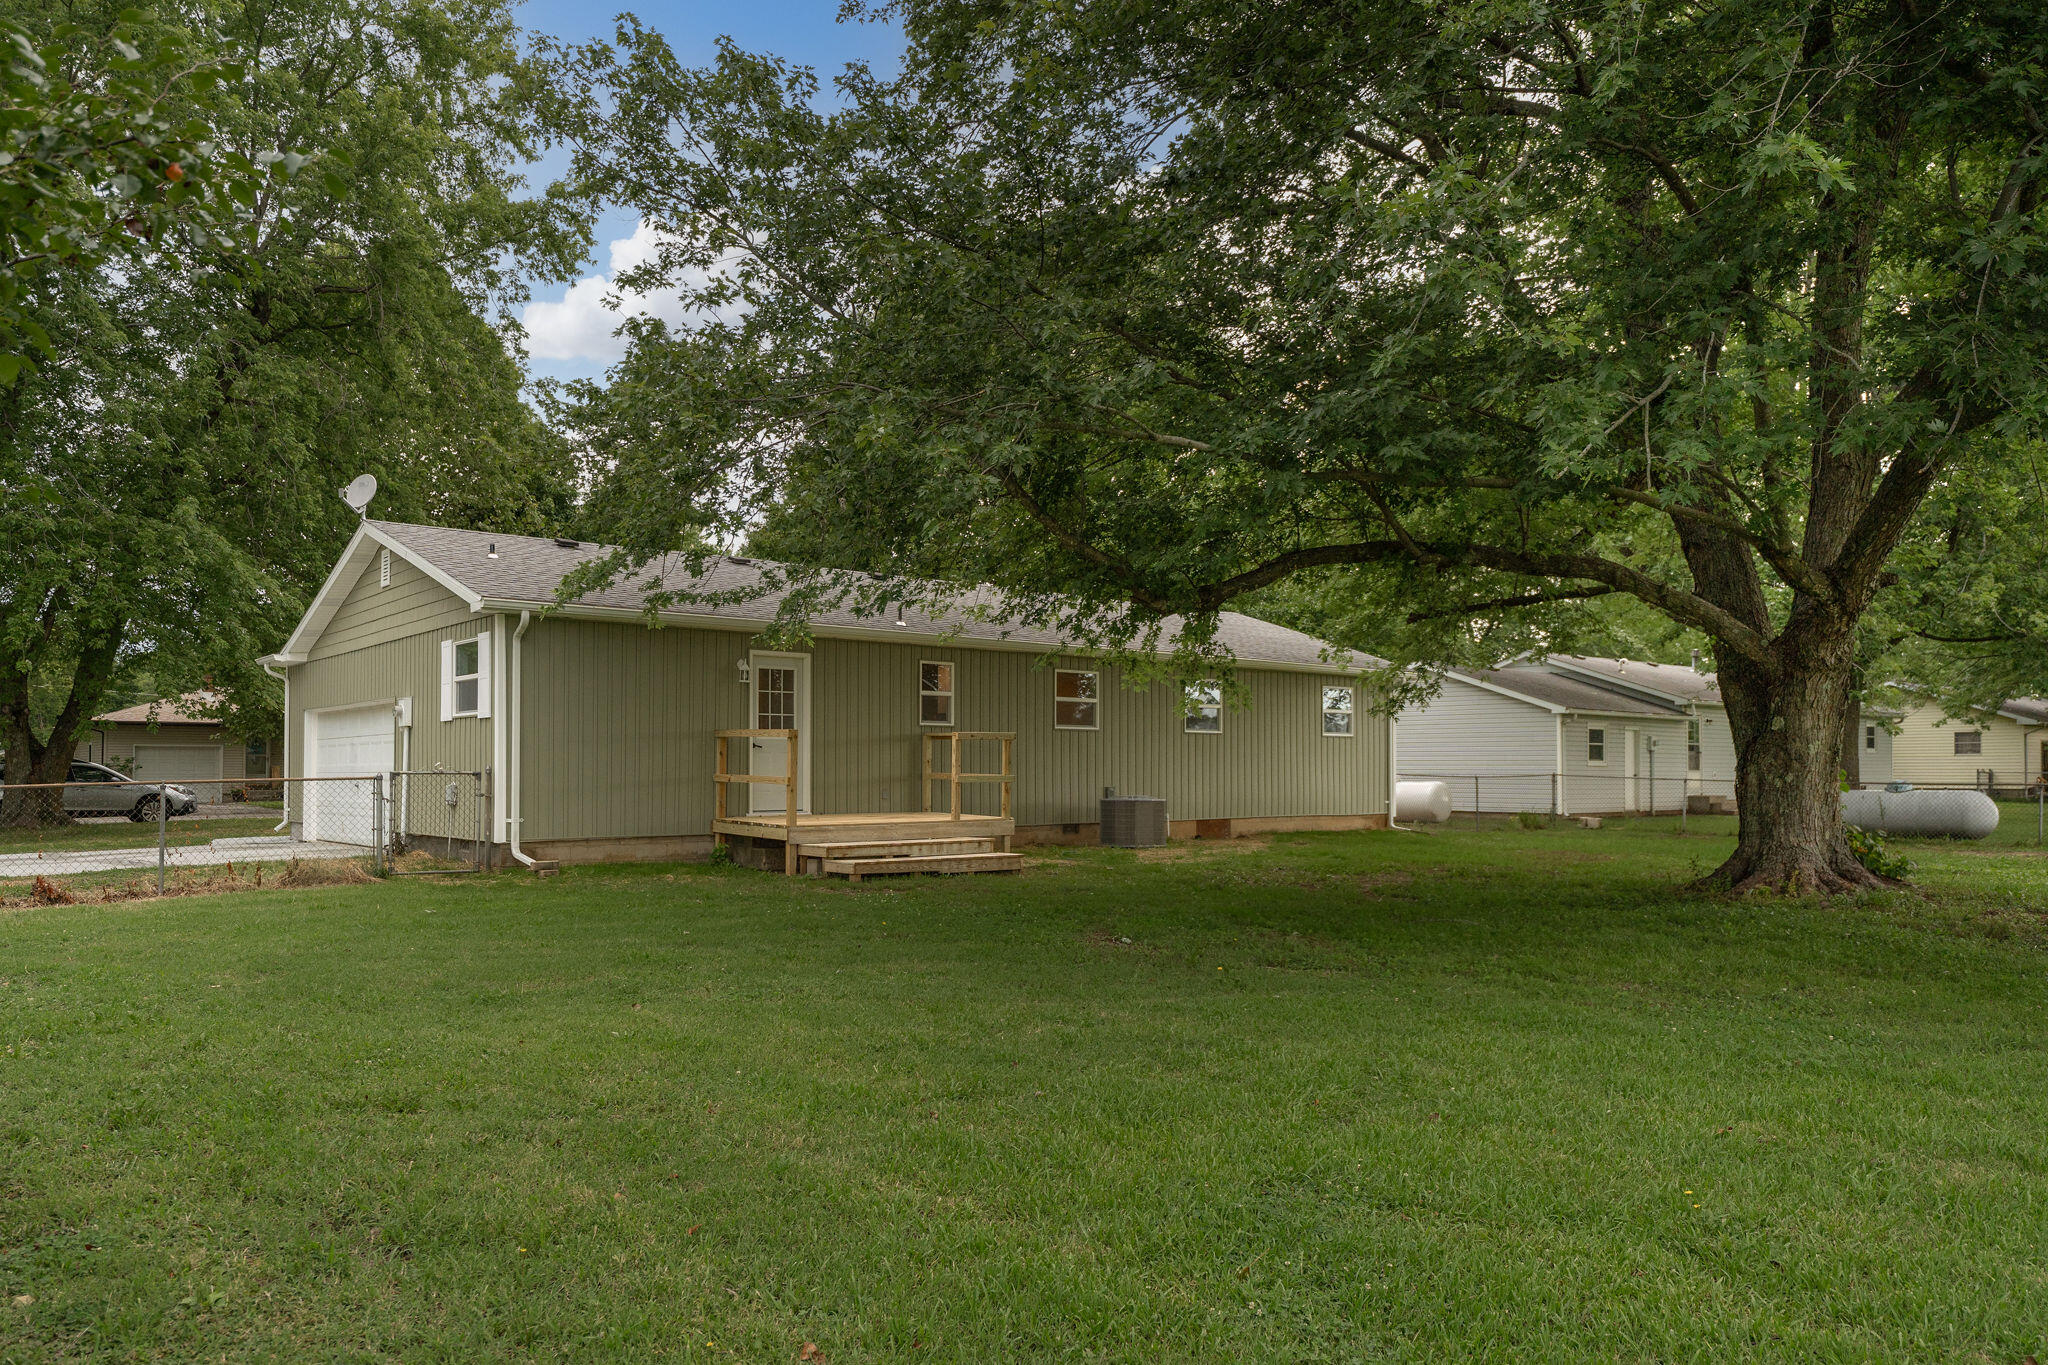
881,861
897,848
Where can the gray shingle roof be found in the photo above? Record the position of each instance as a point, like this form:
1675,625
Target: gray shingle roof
1672,680
1574,694
2031,710
528,569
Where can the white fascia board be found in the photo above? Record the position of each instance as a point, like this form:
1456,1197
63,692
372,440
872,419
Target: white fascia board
909,637
355,558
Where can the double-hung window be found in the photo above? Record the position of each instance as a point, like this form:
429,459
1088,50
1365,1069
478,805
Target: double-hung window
466,677
1204,707
1870,736
1596,745
1969,741
1340,701
1076,701
1692,746
934,693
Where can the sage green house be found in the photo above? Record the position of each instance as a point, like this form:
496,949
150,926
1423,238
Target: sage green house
598,734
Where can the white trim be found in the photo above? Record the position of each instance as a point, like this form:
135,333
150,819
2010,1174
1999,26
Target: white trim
950,641
448,679
1186,715
451,678
347,571
501,776
1564,805
951,694
1324,711
804,773
1095,701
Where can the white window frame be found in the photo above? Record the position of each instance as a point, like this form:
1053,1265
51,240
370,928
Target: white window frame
1870,737
1961,752
1694,757
1193,709
1094,703
384,568
449,677
1349,710
1601,731
951,692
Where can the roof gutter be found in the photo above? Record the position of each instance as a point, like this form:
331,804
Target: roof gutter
701,622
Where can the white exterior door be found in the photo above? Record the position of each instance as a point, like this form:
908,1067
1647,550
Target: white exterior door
356,742
782,701
180,763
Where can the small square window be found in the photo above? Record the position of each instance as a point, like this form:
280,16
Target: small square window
1339,704
934,693
1203,703
1969,741
465,677
1075,702
1596,745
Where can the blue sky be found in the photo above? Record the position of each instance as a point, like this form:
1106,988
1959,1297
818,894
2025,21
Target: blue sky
568,331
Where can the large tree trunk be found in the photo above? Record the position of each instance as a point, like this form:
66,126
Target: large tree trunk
1788,731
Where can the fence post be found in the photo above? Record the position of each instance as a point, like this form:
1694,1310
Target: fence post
163,830
1475,801
377,819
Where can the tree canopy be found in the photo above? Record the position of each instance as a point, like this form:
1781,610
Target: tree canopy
1512,305
170,473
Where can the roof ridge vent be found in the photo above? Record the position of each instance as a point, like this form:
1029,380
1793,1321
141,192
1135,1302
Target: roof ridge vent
568,544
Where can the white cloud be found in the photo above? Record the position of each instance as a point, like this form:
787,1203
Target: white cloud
581,325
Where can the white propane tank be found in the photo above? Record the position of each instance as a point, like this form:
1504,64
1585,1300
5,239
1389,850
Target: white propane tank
1958,814
1422,802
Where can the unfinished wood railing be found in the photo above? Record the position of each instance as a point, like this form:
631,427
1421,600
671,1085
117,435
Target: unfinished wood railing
725,777
957,779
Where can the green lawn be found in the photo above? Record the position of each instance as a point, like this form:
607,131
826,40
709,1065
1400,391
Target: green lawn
131,834
1501,1095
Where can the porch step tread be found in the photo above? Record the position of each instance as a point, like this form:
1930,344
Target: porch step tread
856,868
896,848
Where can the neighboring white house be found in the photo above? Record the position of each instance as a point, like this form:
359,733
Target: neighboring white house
1529,738
2006,748
1583,736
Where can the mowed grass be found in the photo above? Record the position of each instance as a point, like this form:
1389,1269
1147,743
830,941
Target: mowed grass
1501,1095
100,833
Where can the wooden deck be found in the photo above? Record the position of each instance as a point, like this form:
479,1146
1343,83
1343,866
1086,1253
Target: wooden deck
866,827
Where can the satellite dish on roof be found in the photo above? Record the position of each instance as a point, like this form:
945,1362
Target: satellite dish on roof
360,490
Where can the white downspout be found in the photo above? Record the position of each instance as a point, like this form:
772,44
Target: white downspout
512,773
285,738
1564,805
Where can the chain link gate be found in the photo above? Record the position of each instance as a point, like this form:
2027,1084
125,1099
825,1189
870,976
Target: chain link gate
436,823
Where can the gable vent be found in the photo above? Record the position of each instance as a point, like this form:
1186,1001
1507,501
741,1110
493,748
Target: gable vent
384,568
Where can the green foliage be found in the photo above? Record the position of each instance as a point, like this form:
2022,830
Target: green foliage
1871,851
171,476
106,154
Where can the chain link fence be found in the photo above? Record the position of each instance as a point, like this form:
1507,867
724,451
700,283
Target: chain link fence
1500,798
104,836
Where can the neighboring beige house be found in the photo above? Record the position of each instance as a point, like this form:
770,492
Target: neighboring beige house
2006,748
169,741
430,646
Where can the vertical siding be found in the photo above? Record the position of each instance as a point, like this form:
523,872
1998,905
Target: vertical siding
618,722
386,665
371,614
1924,749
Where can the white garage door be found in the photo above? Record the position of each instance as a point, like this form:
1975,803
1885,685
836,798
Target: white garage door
180,763
353,743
